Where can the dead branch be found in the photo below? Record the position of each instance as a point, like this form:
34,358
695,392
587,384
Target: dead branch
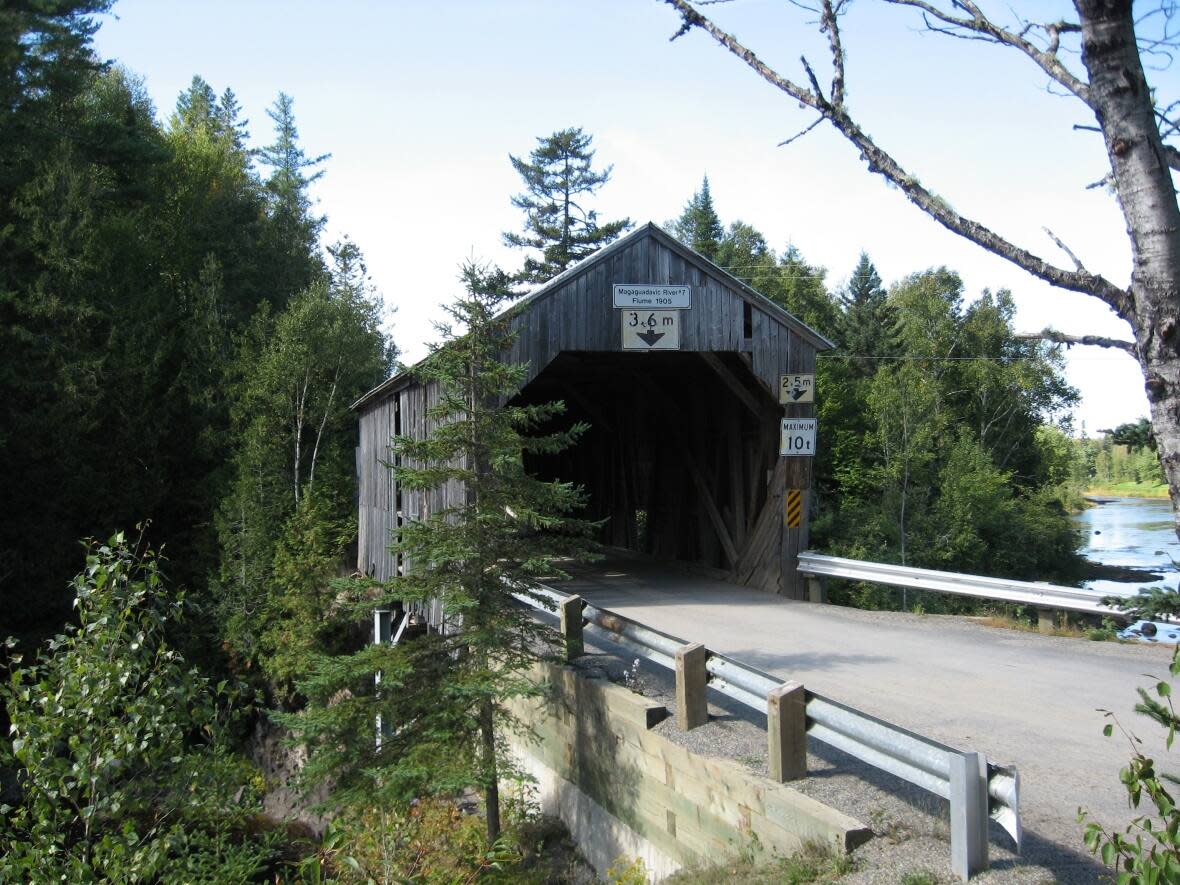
1056,337
1064,248
974,23
801,133
883,163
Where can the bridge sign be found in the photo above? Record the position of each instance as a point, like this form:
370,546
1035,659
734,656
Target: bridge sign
651,329
797,438
796,389
654,296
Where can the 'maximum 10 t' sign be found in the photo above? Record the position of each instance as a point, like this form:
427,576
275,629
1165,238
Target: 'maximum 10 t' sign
652,296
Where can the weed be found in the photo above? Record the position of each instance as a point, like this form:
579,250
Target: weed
625,871
920,877
815,863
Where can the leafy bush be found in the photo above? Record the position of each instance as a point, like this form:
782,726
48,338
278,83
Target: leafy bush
1148,850
114,741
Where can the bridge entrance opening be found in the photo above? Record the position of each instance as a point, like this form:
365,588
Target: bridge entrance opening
680,455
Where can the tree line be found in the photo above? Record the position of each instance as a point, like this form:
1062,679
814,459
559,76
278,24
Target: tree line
180,350
940,428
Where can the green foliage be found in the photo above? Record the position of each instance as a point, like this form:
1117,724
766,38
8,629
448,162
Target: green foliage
133,255
1148,850
814,863
1109,464
698,226
443,694
296,375
942,457
117,745
558,177
1136,437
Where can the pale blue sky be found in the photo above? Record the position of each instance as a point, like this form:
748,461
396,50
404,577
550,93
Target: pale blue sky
420,104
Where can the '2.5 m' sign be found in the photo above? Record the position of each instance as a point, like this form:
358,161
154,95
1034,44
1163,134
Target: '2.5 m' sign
797,437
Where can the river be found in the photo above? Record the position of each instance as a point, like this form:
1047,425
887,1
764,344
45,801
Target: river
1132,533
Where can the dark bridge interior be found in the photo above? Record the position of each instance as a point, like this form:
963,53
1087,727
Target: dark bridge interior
679,454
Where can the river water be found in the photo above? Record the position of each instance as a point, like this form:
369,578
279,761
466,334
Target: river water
1137,533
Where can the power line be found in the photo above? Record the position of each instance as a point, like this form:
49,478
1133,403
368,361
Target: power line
953,359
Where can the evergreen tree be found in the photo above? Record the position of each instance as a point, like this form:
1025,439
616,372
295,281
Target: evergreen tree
867,326
445,693
296,375
296,227
557,177
195,106
698,226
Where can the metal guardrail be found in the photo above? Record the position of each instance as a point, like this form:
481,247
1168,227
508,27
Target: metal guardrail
965,779
1043,596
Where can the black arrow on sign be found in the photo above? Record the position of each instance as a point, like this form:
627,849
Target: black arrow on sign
649,337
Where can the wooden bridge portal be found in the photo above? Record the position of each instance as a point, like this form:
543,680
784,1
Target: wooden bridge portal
677,367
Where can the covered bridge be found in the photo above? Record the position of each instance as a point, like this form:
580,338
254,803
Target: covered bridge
699,448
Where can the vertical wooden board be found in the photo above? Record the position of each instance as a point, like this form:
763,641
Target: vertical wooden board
663,270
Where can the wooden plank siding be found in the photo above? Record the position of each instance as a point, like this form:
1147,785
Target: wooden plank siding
654,416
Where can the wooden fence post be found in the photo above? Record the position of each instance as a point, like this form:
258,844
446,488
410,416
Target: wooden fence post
571,626
1046,620
786,732
817,589
692,709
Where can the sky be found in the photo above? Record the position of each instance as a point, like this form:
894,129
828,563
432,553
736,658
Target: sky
420,105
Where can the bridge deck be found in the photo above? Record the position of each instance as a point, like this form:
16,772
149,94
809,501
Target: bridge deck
1019,697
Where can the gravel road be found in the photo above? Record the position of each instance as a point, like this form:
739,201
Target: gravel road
1018,697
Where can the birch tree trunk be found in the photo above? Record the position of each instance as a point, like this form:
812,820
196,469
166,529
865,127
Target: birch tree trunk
1125,110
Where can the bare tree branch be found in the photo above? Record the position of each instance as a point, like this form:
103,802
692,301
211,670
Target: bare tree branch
1068,340
976,23
801,133
1064,248
883,163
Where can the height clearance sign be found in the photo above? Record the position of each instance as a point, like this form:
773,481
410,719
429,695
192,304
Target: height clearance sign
797,438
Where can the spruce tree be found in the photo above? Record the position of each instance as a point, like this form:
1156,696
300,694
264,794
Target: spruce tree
296,228
558,176
868,326
443,696
698,226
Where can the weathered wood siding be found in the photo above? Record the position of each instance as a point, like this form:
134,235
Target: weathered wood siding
574,314
579,315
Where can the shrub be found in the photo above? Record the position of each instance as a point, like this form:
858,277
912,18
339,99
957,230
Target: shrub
1148,850
114,741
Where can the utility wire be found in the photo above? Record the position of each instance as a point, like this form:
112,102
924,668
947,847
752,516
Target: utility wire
953,359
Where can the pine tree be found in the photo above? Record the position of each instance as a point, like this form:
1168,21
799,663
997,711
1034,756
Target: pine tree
557,176
867,327
698,226
444,694
296,228
195,106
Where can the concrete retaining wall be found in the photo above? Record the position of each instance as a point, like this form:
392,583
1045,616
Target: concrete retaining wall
626,791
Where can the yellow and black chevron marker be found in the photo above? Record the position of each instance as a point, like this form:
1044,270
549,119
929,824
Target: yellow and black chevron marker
794,508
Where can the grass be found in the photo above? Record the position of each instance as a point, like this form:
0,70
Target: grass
920,877
1071,630
814,863
1130,490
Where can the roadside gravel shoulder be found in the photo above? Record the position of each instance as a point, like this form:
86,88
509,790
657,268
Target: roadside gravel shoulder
910,827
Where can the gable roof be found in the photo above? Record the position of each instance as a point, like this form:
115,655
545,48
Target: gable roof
655,232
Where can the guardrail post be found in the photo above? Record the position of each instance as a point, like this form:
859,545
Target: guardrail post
571,626
1046,620
817,589
786,732
969,807
692,709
